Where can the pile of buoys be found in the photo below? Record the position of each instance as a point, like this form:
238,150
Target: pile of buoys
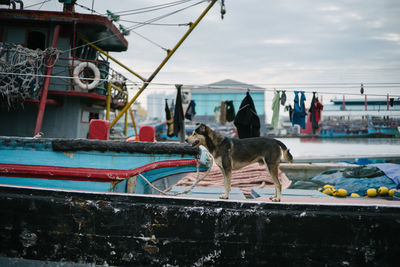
382,191
332,191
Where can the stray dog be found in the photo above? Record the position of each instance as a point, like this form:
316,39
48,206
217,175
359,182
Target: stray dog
233,154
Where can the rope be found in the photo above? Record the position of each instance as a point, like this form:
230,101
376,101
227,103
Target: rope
165,192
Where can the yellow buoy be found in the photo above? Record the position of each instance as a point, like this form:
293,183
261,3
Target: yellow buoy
340,192
391,192
383,190
354,195
371,192
328,191
328,186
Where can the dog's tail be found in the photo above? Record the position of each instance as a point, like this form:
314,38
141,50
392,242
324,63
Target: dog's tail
286,153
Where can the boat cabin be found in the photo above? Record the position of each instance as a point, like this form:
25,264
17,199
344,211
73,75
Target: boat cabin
51,81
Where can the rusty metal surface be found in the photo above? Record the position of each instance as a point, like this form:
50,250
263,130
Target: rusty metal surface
93,27
118,229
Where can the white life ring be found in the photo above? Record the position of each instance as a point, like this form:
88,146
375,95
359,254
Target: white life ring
91,84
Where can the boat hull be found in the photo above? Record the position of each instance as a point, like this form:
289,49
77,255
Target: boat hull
93,164
128,229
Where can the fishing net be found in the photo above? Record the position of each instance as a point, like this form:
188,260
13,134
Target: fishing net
20,71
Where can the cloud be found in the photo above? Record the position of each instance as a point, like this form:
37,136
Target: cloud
390,37
278,41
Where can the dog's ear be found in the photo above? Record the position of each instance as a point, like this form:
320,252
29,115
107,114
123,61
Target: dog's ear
201,129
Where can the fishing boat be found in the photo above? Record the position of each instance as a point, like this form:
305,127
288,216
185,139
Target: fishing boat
69,195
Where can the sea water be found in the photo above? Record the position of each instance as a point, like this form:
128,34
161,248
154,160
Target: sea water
315,148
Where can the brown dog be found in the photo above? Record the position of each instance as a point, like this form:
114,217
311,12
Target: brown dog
233,154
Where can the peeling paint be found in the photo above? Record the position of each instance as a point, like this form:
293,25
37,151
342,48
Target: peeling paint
70,155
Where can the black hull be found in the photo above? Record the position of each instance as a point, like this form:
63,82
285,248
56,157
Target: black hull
119,229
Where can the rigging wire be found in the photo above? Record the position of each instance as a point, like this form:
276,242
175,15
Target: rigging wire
136,26
43,2
244,88
150,8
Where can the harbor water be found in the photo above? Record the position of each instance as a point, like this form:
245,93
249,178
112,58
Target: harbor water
342,148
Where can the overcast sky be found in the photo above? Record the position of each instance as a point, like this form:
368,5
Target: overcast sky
262,42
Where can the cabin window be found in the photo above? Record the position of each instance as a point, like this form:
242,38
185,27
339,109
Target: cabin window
88,115
36,40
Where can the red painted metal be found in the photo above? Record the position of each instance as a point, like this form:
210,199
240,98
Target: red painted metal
84,94
37,16
344,104
43,99
48,102
387,102
86,174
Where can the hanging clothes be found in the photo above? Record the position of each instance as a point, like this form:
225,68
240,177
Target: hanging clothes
216,114
169,119
283,98
191,110
230,111
275,110
299,111
246,120
314,123
222,117
290,110
318,109
179,117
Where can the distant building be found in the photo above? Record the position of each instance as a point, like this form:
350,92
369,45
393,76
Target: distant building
358,108
156,104
208,98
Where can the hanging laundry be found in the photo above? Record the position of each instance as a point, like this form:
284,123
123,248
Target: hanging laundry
222,117
283,98
169,119
179,117
230,111
290,110
275,110
299,111
246,120
191,110
311,110
216,114
318,109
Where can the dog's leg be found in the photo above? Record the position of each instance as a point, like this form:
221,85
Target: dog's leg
227,182
273,171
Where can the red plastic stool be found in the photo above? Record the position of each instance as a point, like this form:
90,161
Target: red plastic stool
147,133
99,129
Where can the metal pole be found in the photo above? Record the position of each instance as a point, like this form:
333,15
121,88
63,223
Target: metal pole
133,121
170,53
108,102
387,102
49,70
126,124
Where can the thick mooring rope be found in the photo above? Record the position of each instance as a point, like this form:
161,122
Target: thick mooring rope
16,60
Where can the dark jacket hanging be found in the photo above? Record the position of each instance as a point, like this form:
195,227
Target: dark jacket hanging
170,125
230,111
283,98
191,110
246,120
312,110
178,114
